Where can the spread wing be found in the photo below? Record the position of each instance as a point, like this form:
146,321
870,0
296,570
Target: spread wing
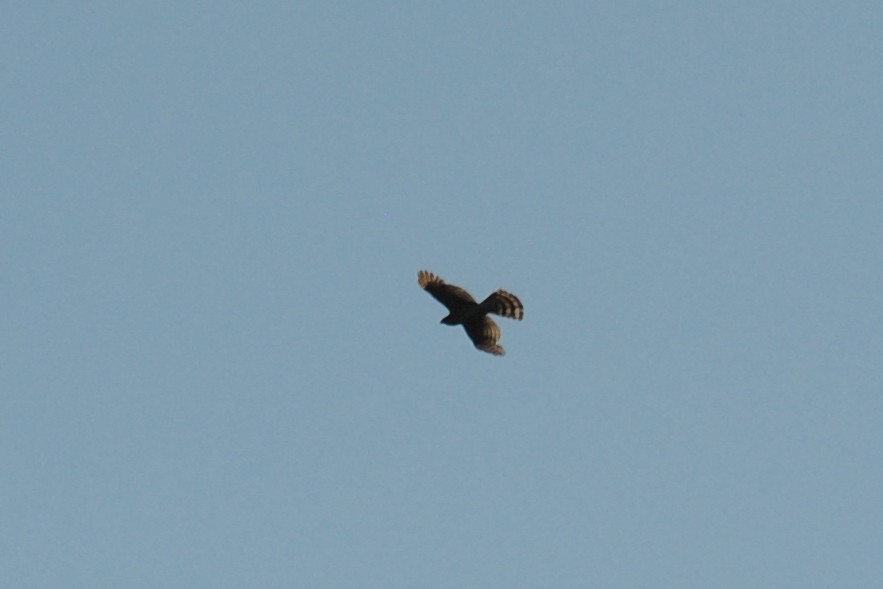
452,297
485,333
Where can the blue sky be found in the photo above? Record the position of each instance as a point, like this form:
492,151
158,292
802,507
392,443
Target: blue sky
219,371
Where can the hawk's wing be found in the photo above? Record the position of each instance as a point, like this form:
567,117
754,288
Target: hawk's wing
452,297
485,333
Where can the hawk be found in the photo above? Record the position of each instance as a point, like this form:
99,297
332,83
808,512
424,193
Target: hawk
480,328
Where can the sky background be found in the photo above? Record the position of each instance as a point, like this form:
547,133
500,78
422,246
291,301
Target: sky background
217,368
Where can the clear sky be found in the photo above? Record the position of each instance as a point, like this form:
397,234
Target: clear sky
217,368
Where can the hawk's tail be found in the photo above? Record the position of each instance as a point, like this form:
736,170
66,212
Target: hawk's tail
504,304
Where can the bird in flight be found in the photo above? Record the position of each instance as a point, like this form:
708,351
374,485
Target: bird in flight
473,316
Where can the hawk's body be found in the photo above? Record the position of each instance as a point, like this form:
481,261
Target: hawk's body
465,311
